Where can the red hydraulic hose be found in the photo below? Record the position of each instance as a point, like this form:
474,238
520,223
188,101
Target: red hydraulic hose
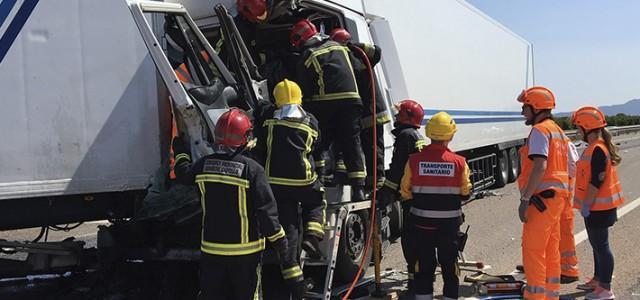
375,174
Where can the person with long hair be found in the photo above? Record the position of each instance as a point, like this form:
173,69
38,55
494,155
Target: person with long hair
598,195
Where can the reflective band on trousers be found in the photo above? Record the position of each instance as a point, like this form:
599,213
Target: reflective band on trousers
232,249
448,190
436,214
568,254
602,200
553,280
534,289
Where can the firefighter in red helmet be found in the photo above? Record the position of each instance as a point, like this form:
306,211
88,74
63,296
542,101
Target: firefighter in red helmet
373,54
239,213
331,93
408,140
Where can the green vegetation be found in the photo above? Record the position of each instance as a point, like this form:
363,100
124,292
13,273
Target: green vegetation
617,120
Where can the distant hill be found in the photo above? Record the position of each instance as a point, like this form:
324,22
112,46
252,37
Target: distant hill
631,108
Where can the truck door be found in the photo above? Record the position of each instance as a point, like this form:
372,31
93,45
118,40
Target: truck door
200,86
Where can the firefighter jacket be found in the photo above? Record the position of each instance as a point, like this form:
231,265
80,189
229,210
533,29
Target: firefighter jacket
556,176
325,73
363,79
238,207
609,194
408,141
286,144
437,180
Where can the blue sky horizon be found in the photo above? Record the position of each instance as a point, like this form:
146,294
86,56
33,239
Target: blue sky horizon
586,51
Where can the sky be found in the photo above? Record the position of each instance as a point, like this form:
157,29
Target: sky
585,51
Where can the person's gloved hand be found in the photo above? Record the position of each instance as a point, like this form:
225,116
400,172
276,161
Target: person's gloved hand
585,211
522,211
385,197
298,288
180,145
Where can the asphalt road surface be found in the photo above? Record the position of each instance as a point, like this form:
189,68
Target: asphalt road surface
495,236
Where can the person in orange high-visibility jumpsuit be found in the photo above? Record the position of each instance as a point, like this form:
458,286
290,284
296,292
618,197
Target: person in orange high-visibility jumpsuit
598,195
545,176
569,271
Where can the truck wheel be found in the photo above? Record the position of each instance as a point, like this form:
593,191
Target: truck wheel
395,221
351,247
501,174
514,164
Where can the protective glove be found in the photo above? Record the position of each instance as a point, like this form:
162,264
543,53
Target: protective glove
298,288
180,145
385,197
522,211
585,211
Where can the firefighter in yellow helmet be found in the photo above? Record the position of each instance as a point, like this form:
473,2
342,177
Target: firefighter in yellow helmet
437,180
288,137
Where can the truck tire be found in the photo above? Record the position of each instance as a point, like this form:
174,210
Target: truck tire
351,247
501,174
395,221
514,164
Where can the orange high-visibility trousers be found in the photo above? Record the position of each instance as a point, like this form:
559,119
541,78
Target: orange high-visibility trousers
568,258
540,250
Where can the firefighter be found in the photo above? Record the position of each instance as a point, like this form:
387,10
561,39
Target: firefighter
330,92
363,78
598,195
238,210
437,180
287,141
545,175
408,140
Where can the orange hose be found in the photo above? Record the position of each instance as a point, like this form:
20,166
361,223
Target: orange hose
375,174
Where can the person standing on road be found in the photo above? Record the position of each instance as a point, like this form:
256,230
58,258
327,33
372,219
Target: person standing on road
598,195
543,182
437,180
238,211
569,271
408,140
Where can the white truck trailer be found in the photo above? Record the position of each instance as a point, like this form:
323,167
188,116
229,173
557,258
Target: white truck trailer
88,106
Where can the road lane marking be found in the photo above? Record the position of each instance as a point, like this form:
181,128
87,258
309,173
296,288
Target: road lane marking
582,235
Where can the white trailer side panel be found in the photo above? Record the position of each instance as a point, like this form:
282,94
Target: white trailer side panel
455,58
79,102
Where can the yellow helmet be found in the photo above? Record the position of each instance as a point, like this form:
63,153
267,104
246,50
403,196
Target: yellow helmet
440,127
287,92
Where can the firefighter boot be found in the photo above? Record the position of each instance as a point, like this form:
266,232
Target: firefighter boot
311,245
357,193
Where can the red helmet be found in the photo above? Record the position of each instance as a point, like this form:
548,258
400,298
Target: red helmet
233,128
302,32
253,10
340,35
410,113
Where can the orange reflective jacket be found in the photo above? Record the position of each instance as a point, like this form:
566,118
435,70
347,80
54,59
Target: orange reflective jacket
610,192
556,176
